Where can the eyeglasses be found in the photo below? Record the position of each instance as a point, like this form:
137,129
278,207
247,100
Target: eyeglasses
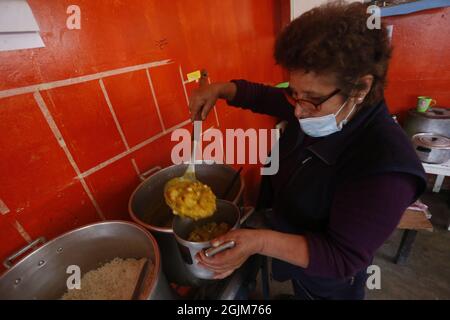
308,104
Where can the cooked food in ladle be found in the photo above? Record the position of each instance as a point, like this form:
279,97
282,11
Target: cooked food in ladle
190,198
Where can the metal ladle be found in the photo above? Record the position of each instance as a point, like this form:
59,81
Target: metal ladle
190,171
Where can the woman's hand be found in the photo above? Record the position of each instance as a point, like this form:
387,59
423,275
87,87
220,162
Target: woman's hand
203,99
248,242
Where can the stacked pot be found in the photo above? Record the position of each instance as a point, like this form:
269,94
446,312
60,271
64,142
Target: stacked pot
148,208
430,133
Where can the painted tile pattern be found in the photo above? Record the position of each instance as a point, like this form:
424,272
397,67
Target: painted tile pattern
81,118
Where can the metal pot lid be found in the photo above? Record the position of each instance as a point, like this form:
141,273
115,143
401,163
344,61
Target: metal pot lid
431,140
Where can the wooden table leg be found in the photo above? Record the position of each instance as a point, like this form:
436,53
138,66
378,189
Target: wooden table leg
438,183
405,246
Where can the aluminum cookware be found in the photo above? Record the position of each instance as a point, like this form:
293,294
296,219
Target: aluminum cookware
226,212
42,274
432,148
148,208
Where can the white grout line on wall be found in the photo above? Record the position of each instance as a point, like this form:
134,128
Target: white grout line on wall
116,121
35,89
135,166
91,197
113,113
51,122
131,150
155,100
22,231
182,124
105,163
3,207
184,86
53,126
85,78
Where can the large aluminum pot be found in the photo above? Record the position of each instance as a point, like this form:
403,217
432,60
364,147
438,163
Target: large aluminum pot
435,120
432,148
42,273
148,208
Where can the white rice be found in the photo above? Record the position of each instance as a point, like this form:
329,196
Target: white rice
115,280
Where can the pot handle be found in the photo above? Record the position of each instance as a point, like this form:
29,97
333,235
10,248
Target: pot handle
423,149
8,261
215,250
248,212
230,244
149,172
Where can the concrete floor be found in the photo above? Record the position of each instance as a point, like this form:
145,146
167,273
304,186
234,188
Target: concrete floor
426,274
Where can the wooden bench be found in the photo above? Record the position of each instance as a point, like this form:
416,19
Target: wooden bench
411,222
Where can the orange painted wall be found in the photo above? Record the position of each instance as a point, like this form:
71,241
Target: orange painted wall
421,60
46,191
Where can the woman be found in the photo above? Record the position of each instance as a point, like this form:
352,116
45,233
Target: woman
347,171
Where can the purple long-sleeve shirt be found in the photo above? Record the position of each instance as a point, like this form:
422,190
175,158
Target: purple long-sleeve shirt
364,212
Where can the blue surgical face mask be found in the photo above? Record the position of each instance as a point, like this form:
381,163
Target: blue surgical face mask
325,125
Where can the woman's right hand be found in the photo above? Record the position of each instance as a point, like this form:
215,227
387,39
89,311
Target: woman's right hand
203,99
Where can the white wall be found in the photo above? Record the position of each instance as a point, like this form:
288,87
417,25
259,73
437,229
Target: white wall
300,6
18,28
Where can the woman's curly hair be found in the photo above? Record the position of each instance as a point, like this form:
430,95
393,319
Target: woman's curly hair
334,38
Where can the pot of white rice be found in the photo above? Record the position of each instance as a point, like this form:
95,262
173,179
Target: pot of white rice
113,260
